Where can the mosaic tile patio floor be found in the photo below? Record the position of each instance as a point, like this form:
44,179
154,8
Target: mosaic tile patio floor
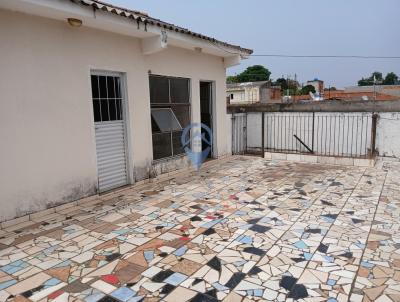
244,229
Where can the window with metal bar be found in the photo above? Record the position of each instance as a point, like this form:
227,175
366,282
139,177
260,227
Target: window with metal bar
107,98
170,114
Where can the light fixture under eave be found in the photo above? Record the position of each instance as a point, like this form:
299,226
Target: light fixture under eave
74,22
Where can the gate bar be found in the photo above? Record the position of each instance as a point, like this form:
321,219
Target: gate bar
301,142
262,133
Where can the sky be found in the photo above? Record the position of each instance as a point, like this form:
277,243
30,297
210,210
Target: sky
294,27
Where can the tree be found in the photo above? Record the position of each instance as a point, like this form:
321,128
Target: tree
231,79
391,79
251,74
281,82
375,78
307,89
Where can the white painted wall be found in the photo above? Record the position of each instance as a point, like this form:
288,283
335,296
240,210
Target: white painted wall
388,134
48,152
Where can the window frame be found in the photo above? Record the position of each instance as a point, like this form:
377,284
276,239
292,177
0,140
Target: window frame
170,106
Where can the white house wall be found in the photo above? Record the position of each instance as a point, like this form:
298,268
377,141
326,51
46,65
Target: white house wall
48,151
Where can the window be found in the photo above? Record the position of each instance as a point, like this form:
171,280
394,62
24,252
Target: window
107,99
170,114
231,96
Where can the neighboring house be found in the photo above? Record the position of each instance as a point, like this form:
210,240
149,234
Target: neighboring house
253,92
95,97
318,85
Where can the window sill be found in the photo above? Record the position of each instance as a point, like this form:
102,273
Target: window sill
161,160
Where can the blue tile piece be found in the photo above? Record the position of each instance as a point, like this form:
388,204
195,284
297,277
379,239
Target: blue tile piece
360,245
63,264
219,286
211,223
154,215
120,232
332,300
181,251
14,267
136,299
123,293
300,245
327,219
258,292
168,225
6,284
149,255
366,264
240,213
175,279
331,282
51,282
245,239
239,263
307,256
95,297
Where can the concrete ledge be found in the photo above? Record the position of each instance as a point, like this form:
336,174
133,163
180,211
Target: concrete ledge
328,160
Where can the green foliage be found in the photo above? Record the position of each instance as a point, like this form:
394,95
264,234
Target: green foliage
231,79
307,89
390,79
281,82
251,74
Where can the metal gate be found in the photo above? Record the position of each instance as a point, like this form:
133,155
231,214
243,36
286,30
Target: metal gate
239,133
108,107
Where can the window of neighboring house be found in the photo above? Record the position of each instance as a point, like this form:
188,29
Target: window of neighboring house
231,96
253,95
170,114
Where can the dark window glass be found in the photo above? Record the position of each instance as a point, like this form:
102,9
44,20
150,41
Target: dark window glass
103,87
176,143
159,90
113,110
162,145
104,110
170,113
110,87
182,113
117,82
95,87
154,126
119,110
107,104
179,90
96,110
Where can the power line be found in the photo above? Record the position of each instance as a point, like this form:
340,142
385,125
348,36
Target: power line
312,56
325,56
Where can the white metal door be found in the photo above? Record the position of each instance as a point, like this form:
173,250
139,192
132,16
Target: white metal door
108,107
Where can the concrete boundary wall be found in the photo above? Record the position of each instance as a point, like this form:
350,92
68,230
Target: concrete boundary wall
325,106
